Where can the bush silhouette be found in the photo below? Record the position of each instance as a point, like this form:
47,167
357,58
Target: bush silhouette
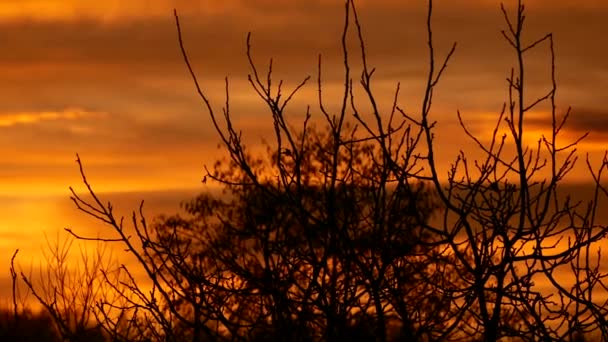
28,326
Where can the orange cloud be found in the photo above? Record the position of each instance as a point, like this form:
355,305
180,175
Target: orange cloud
25,118
108,10
536,125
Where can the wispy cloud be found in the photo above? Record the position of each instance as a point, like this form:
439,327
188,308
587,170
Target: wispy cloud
593,121
28,118
108,10
538,124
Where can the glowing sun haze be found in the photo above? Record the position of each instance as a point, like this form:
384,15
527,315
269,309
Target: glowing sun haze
105,79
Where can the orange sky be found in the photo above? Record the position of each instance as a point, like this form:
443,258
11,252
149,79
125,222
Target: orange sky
105,79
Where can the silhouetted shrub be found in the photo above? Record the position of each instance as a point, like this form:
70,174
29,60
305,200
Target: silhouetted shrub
28,326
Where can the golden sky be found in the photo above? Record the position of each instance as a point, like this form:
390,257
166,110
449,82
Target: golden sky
105,79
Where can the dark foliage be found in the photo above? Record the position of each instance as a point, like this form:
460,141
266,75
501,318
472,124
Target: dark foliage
27,326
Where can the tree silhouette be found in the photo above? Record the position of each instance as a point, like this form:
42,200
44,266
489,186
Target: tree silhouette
297,268
329,235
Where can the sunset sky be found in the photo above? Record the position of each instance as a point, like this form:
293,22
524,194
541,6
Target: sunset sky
105,79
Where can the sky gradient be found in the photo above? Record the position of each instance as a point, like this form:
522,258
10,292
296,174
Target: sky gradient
106,79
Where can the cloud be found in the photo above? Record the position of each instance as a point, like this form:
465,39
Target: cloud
86,49
589,120
539,123
581,120
28,118
108,10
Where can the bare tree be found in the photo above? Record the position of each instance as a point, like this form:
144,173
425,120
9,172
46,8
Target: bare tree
70,290
503,217
329,234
